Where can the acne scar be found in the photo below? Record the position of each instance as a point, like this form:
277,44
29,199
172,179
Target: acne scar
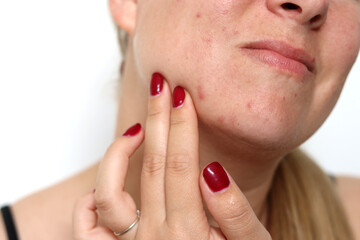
200,92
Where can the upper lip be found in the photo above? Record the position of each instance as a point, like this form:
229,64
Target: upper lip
286,50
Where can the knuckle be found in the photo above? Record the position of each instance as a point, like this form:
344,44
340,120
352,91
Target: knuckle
237,216
103,202
177,121
178,163
154,112
153,163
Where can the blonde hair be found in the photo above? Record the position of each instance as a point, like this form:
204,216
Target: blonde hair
303,202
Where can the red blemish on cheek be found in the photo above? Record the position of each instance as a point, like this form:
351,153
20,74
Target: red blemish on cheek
283,98
249,105
198,15
200,92
221,119
207,40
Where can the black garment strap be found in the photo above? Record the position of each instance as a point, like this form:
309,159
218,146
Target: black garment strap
9,223
332,178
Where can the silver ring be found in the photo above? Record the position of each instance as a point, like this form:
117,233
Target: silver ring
118,234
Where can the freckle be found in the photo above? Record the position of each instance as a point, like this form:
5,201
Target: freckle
198,15
200,91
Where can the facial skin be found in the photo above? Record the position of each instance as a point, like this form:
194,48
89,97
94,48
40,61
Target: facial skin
251,113
199,45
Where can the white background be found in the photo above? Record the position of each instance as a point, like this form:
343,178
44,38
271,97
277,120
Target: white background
58,78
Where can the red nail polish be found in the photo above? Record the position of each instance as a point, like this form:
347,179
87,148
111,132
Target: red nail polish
156,85
132,131
178,97
216,177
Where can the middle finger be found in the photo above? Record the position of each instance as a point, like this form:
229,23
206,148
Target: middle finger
183,197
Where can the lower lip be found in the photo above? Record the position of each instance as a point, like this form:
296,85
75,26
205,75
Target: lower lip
277,60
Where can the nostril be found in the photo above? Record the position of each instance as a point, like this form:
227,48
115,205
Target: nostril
315,19
291,6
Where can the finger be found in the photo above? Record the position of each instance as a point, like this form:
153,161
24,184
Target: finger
183,198
228,205
116,208
156,137
84,217
85,221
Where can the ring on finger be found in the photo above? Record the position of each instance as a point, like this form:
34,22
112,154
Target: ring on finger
118,234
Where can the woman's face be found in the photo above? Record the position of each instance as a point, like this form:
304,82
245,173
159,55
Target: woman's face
262,71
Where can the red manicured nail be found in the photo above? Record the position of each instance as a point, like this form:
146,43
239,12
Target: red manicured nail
178,97
216,177
156,85
132,131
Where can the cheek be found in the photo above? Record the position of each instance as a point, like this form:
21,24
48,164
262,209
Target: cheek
341,40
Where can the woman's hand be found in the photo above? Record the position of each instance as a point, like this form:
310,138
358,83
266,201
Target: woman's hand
171,188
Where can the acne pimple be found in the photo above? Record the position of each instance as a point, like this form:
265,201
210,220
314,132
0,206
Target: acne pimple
249,105
283,98
200,92
198,15
221,119
207,41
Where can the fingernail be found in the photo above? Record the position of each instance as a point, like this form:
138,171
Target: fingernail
216,177
156,85
132,131
178,97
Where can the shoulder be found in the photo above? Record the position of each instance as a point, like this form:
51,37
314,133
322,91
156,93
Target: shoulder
349,191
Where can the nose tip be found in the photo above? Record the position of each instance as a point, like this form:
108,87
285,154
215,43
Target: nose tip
312,13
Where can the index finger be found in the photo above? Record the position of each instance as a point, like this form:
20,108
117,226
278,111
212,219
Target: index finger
183,197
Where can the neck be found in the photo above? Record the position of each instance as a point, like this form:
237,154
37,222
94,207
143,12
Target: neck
251,168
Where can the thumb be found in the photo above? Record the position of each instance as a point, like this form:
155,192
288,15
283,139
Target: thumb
228,205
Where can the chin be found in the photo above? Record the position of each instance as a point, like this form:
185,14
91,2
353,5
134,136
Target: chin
277,129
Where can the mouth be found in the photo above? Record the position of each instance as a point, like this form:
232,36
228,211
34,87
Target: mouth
281,55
